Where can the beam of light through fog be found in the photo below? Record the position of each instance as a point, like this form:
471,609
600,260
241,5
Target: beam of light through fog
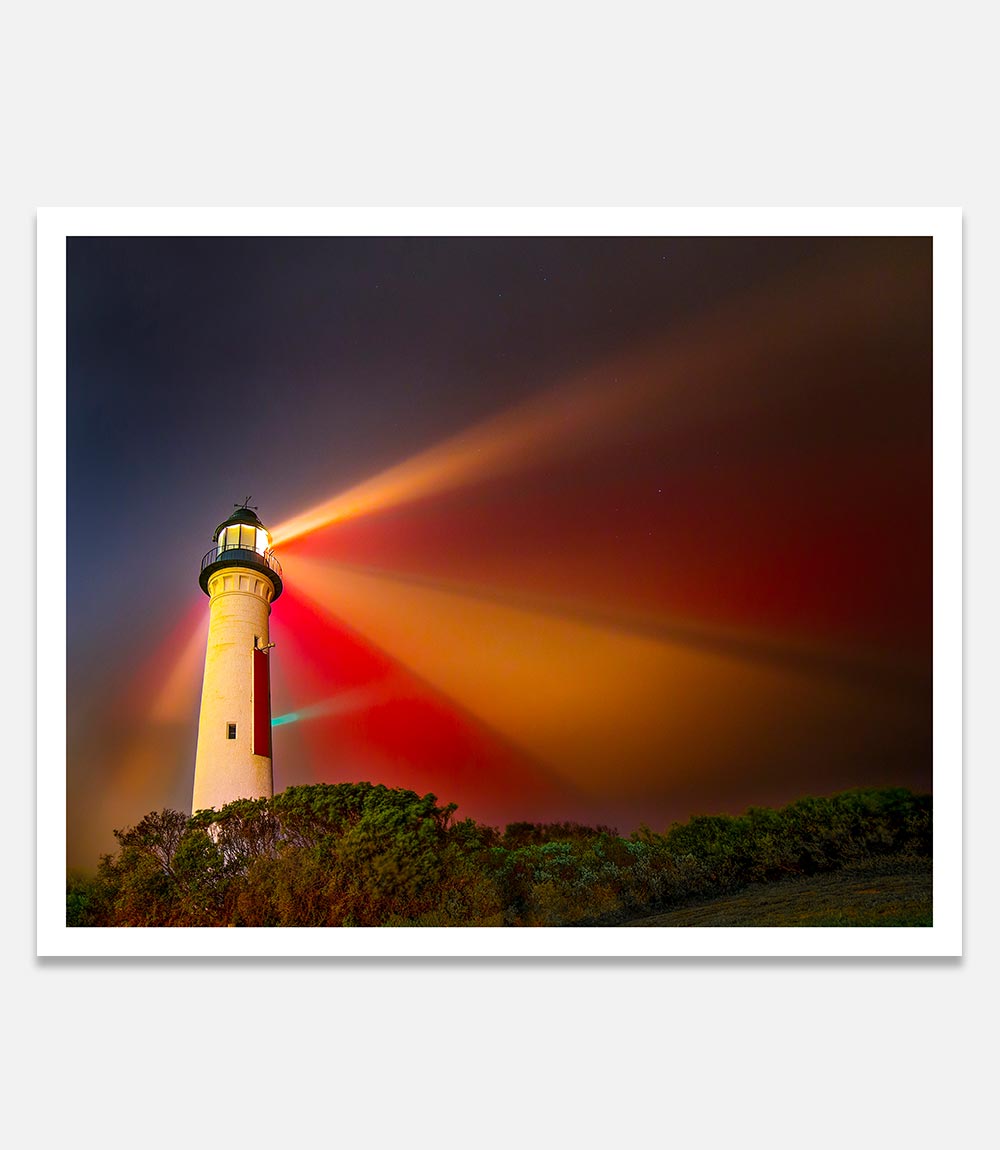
698,374
579,696
342,703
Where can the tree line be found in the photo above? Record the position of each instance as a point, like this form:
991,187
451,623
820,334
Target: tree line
362,854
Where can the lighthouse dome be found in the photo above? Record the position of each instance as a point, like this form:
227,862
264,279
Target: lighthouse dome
242,517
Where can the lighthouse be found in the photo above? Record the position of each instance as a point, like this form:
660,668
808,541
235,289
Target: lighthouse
241,578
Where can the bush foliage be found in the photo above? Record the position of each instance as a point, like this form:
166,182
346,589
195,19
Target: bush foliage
359,854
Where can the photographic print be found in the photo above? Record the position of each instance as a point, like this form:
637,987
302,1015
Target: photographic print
499,583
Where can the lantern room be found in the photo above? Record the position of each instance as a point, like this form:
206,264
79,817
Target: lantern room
243,530
241,541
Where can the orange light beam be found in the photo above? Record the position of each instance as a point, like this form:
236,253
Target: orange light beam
600,707
697,374
791,652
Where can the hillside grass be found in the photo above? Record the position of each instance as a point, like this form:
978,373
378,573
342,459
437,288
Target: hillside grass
864,896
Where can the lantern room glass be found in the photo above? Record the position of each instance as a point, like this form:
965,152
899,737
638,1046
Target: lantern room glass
243,536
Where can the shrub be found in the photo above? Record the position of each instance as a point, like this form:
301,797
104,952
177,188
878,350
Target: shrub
359,854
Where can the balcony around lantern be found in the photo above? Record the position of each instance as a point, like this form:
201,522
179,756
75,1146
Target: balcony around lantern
234,555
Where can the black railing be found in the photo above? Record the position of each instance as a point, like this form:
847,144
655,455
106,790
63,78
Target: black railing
233,554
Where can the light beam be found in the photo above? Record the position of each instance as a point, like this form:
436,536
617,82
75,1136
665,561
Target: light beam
694,375
609,710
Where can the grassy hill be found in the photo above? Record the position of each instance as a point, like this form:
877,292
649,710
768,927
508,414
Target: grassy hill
857,897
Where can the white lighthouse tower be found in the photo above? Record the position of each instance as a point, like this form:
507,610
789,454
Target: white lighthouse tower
242,579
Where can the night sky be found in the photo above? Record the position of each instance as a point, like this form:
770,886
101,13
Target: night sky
617,530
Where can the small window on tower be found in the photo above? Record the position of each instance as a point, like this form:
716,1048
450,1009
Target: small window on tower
230,730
